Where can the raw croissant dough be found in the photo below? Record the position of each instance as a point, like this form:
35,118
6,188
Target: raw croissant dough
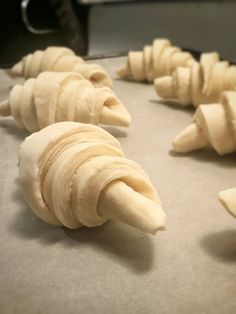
75,174
60,59
154,61
201,83
228,200
213,125
54,97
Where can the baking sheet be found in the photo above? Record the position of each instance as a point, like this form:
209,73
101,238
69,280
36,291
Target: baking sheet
190,268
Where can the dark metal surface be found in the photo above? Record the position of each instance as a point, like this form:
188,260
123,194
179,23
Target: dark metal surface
197,25
120,27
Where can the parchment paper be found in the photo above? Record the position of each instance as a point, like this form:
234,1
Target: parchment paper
190,268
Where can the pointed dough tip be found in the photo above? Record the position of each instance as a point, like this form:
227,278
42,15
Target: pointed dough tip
189,139
117,115
125,119
175,146
132,208
123,72
228,200
164,87
17,69
160,228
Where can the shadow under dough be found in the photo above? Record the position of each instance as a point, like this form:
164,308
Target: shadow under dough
221,245
120,242
115,131
11,128
130,81
208,155
173,104
26,225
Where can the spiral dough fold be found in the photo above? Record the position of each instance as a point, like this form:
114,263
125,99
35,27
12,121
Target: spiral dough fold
60,59
65,168
201,83
54,97
154,61
213,125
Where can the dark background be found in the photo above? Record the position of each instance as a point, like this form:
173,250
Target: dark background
115,27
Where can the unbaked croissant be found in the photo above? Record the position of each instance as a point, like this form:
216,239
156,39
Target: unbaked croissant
76,175
154,61
65,96
213,125
60,59
203,82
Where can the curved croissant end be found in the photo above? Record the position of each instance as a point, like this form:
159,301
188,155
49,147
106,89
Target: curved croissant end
228,200
76,175
212,125
60,59
17,69
154,61
124,72
202,83
113,112
175,87
94,73
189,140
65,96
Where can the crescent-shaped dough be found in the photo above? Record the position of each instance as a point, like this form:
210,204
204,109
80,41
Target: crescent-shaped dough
63,96
60,59
154,61
202,83
213,125
75,175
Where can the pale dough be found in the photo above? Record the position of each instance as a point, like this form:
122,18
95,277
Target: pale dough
154,61
65,96
60,59
213,125
201,83
75,175
228,200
